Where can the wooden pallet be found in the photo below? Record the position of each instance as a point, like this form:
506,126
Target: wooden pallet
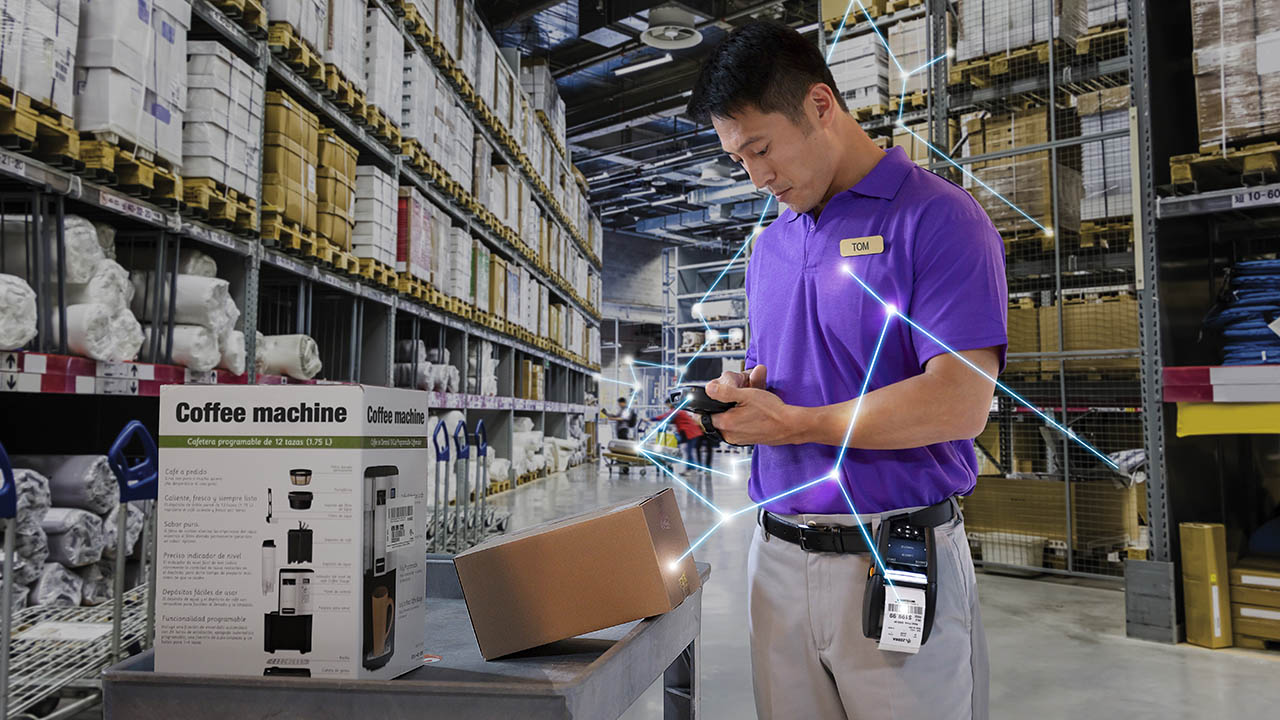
219,205
248,14
285,43
983,71
499,486
917,99
344,261
1026,242
1212,169
1105,41
464,309
435,298
869,111
288,235
412,287
349,98
874,8
546,123
1107,233
116,161
378,273
1254,643
896,5
38,130
382,126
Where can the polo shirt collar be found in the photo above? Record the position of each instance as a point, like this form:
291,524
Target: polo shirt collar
883,181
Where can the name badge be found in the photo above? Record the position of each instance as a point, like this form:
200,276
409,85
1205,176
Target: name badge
870,245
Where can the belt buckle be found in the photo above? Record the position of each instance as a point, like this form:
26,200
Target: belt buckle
812,528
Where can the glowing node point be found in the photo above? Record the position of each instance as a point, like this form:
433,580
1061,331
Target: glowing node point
951,52
627,359
890,309
675,565
697,310
1048,232
834,476
725,517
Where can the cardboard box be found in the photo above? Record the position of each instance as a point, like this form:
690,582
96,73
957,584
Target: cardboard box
243,586
49,35
498,286
1236,70
1204,584
336,154
343,41
1256,581
308,18
413,235
1102,513
1255,622
1107,322
578,575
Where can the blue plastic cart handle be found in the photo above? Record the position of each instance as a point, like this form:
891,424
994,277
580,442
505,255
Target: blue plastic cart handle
8,491
482,439
460,440
442,451
137,481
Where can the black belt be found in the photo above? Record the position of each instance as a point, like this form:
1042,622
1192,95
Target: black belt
843,539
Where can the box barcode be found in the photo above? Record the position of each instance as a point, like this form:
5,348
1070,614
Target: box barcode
399,513
397,533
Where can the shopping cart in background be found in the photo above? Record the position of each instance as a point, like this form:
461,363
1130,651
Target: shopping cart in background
55,653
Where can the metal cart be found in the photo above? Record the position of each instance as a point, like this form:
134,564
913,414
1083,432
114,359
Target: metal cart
52,651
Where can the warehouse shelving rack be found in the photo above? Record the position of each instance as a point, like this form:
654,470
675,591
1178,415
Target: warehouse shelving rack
356,323
688,276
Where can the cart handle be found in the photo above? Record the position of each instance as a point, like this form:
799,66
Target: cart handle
442,451
8,491
460,440
137,481
482,439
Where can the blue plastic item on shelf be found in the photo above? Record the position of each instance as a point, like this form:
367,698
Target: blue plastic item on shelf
137,480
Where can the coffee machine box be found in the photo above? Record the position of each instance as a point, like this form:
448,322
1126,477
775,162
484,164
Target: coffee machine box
584,573
291,531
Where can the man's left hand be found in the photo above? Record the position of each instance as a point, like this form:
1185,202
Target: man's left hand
760,418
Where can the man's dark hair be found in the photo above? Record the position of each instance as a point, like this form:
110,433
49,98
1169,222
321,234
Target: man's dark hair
763,64
622,400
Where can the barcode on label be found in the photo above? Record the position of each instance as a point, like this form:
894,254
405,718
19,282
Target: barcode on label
399,513
905,610
397,533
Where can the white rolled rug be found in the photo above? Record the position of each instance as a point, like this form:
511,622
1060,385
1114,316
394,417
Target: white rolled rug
199,301
233,353
17,312
81,239
88,331
126,332
194,347
56,586
109,286
76,481
297,356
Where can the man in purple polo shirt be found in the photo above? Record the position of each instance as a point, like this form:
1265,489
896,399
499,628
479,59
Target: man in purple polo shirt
918,245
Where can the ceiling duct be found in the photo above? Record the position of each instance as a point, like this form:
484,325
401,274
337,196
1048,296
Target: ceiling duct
715,175
671,28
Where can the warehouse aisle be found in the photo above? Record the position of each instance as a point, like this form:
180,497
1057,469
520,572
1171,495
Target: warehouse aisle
1057,646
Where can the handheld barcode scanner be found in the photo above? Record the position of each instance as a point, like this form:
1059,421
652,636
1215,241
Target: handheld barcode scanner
908,554
696,400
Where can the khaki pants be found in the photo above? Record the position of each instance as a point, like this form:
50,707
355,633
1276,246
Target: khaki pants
809,658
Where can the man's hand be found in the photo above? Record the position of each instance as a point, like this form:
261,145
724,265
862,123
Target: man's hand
761,418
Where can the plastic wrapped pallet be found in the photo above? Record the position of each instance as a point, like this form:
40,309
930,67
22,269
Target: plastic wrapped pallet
294,355
194,347
446,26
75,536
343,44
383,63
375,215
335,188
131,73
308,18
457,264
413,235
482,162
56,585
289,157
418,96
1237,70
480,276
222,129
909,42
1103,12
134,522
996,26
1105,164
17,312
49,34
76,481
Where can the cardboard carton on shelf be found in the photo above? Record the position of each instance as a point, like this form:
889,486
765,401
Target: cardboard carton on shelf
1205,584
577,575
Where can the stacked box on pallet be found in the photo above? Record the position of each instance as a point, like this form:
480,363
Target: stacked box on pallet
458,252
482,64
538,83
1105,164
222,128
383,64
445,25
507,87
530,217
480,258
1091,322
597,234
542,318
336,189
289,157
498,287
418,98
594,335
916,141
413,235
1237,70
308,18
1102,12
464,47
343,41
515,301
909,41
860,66
1024,182
481,162
131,73
47,56
463,135
996,26
377,206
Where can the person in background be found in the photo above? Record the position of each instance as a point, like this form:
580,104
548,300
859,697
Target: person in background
625,420
688,432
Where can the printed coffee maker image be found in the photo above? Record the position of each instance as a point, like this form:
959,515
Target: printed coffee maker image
379,593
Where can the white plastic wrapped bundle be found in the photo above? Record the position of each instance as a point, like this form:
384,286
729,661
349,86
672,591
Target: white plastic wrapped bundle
33,496
190,262
56,586
75,536
133,529
17,312
523,424
106,239
233,353
194,347
97,583
499,469
455,379
406,377
21,591
79,236
126,331
108,286
76,481
30,551
438,355
690,338
91,332
260,353
200,301
405,351
736,335
439,377
294,355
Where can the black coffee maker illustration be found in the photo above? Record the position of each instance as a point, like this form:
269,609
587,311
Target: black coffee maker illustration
379,593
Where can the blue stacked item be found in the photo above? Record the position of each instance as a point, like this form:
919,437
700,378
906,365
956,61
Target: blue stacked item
1254,304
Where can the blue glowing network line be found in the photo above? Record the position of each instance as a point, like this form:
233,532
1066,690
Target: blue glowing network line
701,539
660,425
866,537
682,461
1053,423
836,38
922,67
866,381
682,483
779,496
649,364
879,34
620,382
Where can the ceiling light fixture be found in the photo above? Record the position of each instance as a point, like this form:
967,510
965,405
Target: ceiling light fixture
671,28
655,62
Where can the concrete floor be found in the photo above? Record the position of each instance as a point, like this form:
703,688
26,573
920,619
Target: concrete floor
1057,646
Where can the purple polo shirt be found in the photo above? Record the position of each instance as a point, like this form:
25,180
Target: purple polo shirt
815,328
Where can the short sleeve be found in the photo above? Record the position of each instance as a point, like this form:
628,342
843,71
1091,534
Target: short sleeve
750,360
959,293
